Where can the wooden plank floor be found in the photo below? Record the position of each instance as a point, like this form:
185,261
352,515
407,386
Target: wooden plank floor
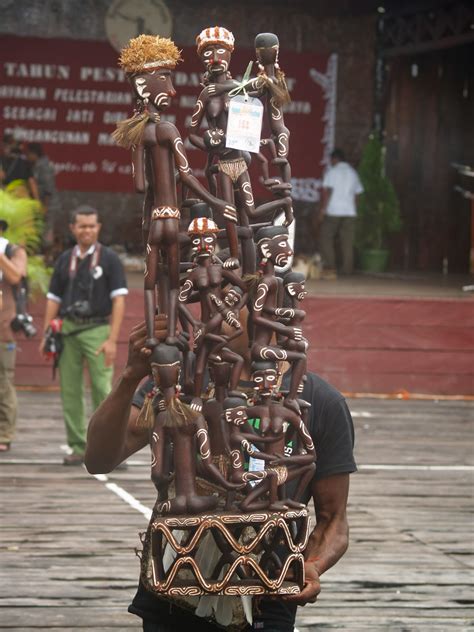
67,539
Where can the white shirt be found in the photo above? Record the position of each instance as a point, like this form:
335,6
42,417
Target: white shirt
345,184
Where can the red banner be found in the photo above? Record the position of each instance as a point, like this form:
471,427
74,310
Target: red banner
69,94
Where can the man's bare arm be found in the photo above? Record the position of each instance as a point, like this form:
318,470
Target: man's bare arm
51,311
325,197
15,268
109,347
112,434
330,538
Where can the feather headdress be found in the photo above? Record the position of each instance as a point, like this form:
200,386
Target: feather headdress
148,52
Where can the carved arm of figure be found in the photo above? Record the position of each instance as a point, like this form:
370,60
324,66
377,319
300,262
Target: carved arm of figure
287,313
226,312
307,451
158,441
196,120
253,451
138,168
208,466
186,176
212,138
295,333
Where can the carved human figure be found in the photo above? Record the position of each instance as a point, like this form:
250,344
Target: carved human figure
215,46
264,495
157,150
270,84
276,423
188,433
276,466
291,315
274,250
207,279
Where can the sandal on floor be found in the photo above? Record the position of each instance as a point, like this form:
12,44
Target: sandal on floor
4,447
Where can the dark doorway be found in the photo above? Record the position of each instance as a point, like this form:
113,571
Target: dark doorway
429,123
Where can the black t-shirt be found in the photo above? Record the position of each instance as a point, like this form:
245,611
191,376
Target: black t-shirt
99,285
332,430
16,168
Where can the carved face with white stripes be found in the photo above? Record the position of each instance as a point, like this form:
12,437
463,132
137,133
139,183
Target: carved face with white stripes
236,416
216,58
265,381
276,249
232,297
203,244
155,87
297,290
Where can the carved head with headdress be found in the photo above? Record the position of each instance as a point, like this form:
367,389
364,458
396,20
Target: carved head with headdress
202,230
147,61
214,46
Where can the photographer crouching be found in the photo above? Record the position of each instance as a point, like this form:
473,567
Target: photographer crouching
84,311
13,263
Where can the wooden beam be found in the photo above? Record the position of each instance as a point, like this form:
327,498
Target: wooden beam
424,47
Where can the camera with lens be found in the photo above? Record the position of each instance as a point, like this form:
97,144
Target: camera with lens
22,322
79,309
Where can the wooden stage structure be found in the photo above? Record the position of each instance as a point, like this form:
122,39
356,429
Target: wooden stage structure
67,559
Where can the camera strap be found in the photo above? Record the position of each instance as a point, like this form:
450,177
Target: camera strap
74,261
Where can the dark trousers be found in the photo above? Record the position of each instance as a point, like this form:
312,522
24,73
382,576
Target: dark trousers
342,228
274,615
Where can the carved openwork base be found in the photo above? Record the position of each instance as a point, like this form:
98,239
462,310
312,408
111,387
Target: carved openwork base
227,554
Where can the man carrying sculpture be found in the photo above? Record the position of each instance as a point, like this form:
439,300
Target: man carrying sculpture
114,435
156,413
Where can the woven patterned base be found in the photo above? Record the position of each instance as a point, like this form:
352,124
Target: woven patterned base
228,554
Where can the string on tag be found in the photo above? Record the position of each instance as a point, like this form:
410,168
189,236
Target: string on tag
243,84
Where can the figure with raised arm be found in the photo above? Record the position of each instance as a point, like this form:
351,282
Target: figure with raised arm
274,250
271,85
207,279
214,47
157,150
177,424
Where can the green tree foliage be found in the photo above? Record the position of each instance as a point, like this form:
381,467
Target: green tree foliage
25,227
378,212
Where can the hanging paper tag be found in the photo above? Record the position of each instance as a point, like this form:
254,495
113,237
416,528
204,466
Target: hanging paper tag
244,124
256,465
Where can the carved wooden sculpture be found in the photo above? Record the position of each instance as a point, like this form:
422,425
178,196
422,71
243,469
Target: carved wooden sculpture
292,315
270,84
188,433
215,46
148,62
219,479
274,250
207,279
